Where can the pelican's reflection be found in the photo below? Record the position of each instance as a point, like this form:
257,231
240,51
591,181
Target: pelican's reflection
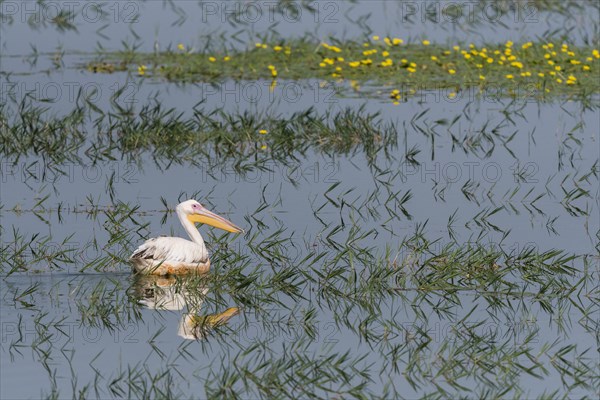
177,294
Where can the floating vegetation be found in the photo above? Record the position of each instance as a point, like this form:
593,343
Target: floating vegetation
538,69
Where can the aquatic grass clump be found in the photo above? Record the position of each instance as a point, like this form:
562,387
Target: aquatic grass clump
168,135
545,68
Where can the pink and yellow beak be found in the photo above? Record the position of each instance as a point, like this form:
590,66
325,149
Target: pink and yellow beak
207,217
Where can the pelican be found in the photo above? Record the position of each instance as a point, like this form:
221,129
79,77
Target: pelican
173,255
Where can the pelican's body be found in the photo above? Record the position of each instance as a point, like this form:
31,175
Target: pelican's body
173,255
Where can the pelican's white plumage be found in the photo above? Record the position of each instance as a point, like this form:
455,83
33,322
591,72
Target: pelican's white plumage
173,255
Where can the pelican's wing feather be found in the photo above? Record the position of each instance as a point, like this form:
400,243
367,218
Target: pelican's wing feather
171,249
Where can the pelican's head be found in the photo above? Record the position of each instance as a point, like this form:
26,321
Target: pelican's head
195,212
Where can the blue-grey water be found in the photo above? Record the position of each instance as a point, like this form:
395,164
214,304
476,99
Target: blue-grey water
55,339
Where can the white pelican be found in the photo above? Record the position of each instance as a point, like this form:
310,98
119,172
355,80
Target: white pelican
173,255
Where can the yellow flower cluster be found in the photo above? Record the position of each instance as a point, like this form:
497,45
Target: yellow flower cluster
273,71
332,48
545,64
395,95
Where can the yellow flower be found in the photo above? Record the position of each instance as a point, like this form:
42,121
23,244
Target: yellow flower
263,131
212,59
575,62
271,67
338,68
226,58
277,48
322,64
541,74
434,58
551,73
550,45
387,41
397,41
274,73
550,62
426,42
451,95
354,64
596,53
467,56
385,53
375,37
451,71
181,47
340,59
586,67
413,65
559,80
263,147
258,44
509,76
142,69
558,68
411,70
456,48
481,77
517,64
490,60
547,56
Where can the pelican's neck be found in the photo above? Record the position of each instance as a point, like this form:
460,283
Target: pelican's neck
190,228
